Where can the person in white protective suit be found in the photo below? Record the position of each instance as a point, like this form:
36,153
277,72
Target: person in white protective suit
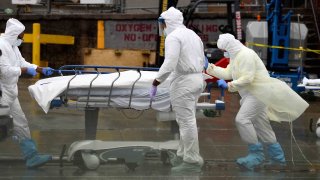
263,98
184,62
12,65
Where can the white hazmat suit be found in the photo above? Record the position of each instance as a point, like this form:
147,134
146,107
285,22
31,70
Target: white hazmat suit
11,62
263,98
184,62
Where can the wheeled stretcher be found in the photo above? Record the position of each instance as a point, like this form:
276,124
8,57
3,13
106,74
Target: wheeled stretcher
108,87
309,84
310,88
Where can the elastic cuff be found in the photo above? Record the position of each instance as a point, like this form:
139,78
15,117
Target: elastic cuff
156,82
210,69
34,66
231,87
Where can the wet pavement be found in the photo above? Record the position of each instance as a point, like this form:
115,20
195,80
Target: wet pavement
220,143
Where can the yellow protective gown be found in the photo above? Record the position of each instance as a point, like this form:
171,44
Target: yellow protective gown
248,73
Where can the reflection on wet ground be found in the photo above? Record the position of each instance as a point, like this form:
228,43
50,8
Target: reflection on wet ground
220,144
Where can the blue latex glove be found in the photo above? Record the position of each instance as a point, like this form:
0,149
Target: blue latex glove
206,62
222,84
47,71
31,71
153,92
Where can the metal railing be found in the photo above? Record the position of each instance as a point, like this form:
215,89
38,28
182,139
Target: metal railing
315,18
80,69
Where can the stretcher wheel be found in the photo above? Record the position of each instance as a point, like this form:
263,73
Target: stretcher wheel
86,160
78,160
132,166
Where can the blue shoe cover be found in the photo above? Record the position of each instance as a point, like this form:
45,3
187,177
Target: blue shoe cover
38,160
254,159
30,154
276,154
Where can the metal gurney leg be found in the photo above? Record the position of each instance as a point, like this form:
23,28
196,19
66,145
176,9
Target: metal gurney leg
91,122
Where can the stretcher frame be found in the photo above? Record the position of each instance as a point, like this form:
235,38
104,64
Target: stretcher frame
91,105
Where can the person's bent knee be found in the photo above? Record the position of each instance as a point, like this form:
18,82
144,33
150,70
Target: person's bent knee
241,121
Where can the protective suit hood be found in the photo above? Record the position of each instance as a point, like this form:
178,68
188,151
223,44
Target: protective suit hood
173,19
230,44
13,29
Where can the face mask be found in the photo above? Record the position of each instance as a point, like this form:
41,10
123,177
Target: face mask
18,42
226,54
